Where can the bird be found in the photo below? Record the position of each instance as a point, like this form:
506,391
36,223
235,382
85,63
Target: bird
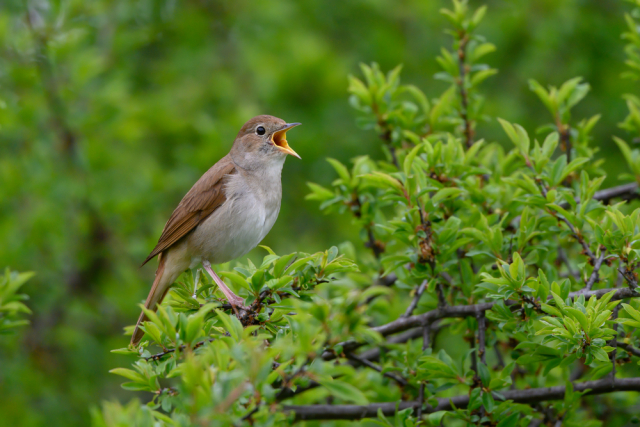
226,213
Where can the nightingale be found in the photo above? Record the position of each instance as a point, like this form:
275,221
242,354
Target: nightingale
227,212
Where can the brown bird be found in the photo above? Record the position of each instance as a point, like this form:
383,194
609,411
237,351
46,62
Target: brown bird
226,213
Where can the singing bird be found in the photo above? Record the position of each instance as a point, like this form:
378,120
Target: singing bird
226,213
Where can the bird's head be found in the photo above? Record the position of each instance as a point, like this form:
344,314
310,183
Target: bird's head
262,140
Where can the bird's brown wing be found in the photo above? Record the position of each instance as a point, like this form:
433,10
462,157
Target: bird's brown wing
205,196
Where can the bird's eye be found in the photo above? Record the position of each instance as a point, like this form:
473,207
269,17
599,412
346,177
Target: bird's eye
260,130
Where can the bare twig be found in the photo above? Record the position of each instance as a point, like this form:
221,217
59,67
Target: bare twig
474,361
377,368
629,276
442,302
160,355
575,233
624,191
595,276
565,137
354,412
374,353
464,97
629,348
416,299
482,327
404,323
285,389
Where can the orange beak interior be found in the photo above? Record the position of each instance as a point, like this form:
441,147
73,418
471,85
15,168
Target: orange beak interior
280,140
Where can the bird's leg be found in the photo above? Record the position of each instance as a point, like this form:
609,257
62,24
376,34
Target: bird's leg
233,299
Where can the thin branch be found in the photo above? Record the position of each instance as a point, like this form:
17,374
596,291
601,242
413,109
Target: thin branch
565,137
624,191
354,412
377,368
464,96
500,363
160,355
629,277
387,280
376,246
574,232
629,348
474,361
416,299
374,353
595,276
482,327
285,389
579,238
404,323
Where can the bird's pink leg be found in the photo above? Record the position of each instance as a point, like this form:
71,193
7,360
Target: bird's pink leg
233,299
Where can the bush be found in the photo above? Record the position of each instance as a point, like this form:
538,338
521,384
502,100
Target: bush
513,253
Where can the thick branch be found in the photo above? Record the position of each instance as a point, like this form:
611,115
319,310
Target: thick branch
405,323
354,412
629,348
624,191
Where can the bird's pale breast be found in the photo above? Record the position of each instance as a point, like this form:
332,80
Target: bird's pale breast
240,224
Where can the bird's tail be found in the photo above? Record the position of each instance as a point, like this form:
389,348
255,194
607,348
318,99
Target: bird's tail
161,285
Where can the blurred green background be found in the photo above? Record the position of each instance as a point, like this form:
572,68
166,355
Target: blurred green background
111,109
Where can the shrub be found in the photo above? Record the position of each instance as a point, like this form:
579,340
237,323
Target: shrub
513,254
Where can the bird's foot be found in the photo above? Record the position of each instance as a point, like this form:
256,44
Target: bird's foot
233,299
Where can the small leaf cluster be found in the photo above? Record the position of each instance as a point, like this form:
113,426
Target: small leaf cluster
12,309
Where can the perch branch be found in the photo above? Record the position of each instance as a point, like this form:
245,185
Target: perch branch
354,412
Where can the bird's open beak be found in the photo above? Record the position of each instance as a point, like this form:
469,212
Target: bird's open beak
280,139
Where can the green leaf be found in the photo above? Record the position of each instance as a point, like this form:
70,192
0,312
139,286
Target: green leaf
631,311
445,193
344,391
408,160
482,75
510,421
341,169
129,374
231,324
381,180
236,279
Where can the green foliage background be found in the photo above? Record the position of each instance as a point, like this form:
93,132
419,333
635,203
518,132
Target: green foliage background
110,110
